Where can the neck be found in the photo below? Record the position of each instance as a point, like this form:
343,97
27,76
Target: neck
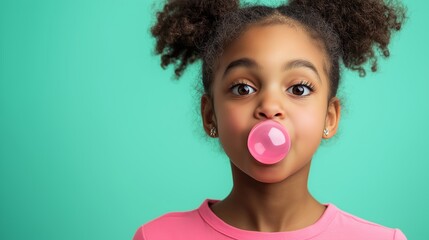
269,207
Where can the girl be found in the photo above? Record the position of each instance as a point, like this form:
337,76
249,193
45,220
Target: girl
271,64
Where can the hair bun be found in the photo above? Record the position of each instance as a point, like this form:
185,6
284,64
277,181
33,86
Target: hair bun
183,27
362,26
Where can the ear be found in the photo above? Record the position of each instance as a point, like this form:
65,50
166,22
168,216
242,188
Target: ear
332,117
207,113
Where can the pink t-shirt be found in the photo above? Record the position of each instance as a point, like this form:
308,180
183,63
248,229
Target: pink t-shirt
203,224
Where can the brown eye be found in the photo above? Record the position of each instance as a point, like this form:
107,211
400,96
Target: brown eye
242,89
299,90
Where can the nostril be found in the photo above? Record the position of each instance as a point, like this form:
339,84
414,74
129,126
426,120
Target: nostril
261,114
269,116
268,112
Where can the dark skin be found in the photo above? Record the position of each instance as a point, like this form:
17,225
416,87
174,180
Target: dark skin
284,206
271,84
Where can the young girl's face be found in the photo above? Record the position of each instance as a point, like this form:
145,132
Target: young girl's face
273,72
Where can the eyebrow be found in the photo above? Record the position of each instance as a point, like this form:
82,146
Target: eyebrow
242,62
298,63
249,63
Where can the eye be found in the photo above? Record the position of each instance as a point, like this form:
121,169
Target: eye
242,89
300,90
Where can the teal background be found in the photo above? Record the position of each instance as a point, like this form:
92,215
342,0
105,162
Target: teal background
96,139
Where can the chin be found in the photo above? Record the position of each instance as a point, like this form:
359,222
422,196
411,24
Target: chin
269,174
268,179
248,167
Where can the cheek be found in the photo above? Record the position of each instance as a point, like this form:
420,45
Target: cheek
309,122
232,120
233,128
308,126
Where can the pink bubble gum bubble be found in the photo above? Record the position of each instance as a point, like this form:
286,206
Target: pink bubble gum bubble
268,142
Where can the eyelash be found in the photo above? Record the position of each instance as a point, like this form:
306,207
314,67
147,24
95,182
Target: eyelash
301,83
307,84
238,82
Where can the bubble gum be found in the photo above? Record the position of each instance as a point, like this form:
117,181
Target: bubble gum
269,142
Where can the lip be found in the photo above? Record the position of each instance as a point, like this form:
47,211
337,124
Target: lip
269,142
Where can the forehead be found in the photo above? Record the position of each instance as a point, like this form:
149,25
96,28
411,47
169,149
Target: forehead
273,45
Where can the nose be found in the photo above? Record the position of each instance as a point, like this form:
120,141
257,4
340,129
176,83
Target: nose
269,107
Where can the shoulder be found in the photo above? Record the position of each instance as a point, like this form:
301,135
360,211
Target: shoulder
172,225
363,229
174,220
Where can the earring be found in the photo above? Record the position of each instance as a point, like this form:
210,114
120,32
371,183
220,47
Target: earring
325,132
213,132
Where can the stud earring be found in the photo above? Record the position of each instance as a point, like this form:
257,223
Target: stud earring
213,132
325,132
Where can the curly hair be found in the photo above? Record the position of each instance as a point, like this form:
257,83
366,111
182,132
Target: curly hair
353,32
